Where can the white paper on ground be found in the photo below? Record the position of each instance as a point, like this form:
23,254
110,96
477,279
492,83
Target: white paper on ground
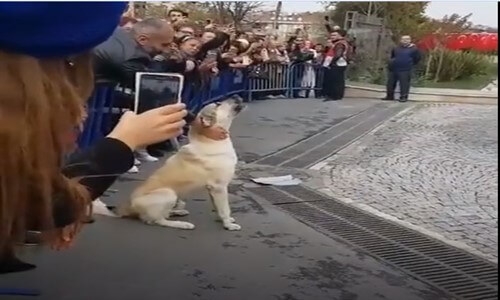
278,180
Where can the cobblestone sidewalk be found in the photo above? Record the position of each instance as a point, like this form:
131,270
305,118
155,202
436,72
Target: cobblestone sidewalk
434,167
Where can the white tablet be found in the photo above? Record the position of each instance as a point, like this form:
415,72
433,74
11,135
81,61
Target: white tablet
157,89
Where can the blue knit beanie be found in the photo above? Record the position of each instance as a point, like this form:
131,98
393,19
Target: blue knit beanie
56,29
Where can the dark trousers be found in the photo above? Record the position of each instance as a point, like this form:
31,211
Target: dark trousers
334,83
404,78
298,73
318,88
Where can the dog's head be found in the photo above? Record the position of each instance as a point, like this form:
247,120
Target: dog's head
221,113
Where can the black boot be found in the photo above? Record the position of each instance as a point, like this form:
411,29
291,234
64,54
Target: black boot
9,263
388,98
159,149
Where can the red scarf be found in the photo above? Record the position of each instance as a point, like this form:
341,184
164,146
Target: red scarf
330,52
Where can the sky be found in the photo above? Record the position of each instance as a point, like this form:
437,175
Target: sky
483,12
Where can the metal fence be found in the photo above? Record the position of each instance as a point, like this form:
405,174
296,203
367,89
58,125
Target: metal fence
254,82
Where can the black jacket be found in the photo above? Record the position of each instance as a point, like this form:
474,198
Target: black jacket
297,56
99,166
167,65
219,40
119,58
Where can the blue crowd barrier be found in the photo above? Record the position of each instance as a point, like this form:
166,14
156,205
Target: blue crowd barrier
300,79
98,121
270,78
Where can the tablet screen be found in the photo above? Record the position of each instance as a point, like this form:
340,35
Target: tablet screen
157,90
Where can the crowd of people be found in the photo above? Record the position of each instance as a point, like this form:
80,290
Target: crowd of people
177,45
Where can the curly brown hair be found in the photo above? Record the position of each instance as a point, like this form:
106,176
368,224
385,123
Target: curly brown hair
41,100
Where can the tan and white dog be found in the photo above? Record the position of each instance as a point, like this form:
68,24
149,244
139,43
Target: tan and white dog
203,163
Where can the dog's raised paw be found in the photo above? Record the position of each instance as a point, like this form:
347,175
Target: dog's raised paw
232,227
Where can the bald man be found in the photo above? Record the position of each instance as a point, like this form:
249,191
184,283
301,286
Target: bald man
400,67
128,52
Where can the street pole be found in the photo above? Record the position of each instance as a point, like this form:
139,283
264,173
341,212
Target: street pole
276,16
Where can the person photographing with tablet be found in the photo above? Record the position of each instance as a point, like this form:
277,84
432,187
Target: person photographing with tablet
44,84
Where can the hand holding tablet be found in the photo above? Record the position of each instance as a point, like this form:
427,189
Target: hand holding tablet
152,126
158,113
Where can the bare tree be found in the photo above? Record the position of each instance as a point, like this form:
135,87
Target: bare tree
155,11
198,11
234,12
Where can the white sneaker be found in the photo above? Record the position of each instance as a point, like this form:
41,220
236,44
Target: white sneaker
133,170
137,162
99,208
142,154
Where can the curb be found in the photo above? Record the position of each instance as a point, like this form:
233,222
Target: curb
420,95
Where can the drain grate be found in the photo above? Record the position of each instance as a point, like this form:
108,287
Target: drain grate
463,275
304,145
278,197
342,139
323,144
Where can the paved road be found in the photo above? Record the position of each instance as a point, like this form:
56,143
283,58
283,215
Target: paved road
275,257
435,167
270,125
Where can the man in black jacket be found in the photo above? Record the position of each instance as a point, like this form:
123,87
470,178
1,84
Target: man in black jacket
403,59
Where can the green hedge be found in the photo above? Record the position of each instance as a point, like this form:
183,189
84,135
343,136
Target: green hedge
443,65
